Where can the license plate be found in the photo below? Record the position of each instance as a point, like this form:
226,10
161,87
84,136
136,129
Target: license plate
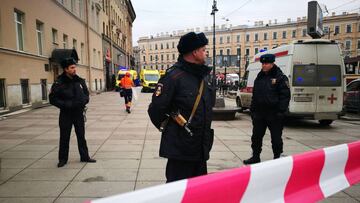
303,99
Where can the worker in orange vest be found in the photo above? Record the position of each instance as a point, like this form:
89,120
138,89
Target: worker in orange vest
126,85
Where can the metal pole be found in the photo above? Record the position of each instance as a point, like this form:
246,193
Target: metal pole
214,42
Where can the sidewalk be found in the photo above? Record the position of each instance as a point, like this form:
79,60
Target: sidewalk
126,148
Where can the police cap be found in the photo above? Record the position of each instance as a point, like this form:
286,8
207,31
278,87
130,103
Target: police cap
267,58
191,41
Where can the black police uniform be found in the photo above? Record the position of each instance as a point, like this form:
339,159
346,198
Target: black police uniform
70,95
177,91
270,101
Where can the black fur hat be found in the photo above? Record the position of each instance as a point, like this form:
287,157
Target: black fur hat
267,58
191,41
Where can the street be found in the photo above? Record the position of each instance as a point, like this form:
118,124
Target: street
126,148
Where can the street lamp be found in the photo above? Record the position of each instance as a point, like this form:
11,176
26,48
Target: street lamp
213,11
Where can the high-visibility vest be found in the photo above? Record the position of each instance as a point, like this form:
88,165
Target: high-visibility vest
126,82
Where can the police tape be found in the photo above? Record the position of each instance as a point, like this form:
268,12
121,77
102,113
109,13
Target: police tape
307,177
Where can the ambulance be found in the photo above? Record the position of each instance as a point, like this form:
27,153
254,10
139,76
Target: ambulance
315,69
149,79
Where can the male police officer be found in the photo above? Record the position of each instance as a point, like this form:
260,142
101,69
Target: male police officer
70,94
187,137
270,101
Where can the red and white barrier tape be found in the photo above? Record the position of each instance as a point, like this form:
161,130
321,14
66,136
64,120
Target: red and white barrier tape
307,177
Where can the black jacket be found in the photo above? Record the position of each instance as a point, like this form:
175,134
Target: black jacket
271,92
179,88
69,94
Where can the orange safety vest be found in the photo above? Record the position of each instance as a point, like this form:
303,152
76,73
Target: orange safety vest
126,82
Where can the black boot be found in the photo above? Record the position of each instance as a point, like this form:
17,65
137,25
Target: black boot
276,156
61,163
89,160
252,160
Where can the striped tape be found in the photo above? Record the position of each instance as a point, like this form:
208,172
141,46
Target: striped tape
307,177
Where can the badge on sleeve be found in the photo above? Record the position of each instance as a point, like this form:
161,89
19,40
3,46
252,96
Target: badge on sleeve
273,81
158,90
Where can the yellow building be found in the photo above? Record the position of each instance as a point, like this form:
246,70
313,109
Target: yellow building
242,42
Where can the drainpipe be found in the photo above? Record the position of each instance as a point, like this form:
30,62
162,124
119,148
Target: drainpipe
88,41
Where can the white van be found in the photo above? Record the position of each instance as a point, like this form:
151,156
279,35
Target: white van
315,69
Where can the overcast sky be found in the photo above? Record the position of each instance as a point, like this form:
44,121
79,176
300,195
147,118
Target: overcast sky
156,16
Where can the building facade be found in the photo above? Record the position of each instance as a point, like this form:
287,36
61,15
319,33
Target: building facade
29,32
235,46
117,17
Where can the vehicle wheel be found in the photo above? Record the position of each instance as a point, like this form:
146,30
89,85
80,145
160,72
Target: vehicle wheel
238,104
325,122
142,89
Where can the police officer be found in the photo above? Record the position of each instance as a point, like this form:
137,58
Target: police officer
270,101
70,94
187,149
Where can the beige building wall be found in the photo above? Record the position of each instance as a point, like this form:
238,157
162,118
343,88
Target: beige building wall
147,44
65,27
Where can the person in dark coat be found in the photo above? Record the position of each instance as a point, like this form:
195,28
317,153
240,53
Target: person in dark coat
270,102
70,94
176,92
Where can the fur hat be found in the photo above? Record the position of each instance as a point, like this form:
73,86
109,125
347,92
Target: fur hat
267,58
67,62
191,41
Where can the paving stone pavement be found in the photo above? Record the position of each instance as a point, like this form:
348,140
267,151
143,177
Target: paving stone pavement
126,148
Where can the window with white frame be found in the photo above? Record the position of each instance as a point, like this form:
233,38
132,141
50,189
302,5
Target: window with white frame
65,41
40,36
265,36
294,34
19,26
348,28
284,34
337,29
54,36
256,37
347,45
238,38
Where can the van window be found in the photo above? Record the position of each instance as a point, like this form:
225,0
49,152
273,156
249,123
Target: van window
304,75
317,75
329,75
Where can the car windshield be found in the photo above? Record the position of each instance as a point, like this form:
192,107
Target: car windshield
151,77
317,75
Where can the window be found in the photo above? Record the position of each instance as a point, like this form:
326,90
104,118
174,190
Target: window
221,52
256,50
256,37
167,45
247,37
326,30
221,40
348,28
162,57
173,56
265,36
167,57
19,25
25,91
228,52
100,84
82,59
228,40
43,89
2,93
347,45
274,35
317,75
247,52
54,36
161,46
358,44
40,36
151,58
358,27
99,59
173,45
155,46
94,57
74,44
293,34
238,38
96,86
304,32
65,41
238,51
144,58
284,34
72,5
337,29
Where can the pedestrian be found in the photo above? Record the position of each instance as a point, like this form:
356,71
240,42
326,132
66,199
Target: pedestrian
181,108
270,102
70,94
126,85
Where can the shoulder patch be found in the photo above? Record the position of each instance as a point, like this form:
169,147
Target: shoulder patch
158,90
